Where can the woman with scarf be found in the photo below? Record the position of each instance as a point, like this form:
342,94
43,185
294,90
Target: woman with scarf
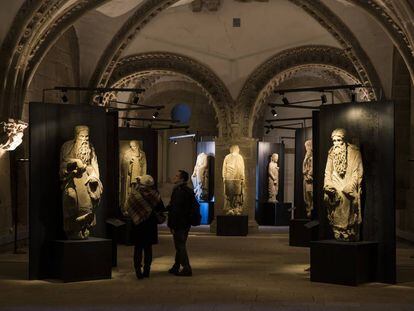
145,208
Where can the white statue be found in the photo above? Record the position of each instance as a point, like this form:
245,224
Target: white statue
273,175
342,187
233,178
307,170
133,165
200,177
82,188
12,134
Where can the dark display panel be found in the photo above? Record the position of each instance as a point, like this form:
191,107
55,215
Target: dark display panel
371,127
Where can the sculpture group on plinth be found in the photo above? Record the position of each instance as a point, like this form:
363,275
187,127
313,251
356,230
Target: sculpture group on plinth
307,170
200,177
342,187
82,188
133,165
273,178
233,179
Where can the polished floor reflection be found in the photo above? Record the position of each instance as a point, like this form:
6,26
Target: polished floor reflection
258,272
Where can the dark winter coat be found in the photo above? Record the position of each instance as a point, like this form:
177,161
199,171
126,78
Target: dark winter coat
181,204
146,233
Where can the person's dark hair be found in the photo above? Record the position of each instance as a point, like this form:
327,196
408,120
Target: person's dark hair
184,175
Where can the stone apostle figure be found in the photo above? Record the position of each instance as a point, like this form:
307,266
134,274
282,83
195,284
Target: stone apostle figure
82,188
233,178
200,177
133,165
273,175
342,187
307,170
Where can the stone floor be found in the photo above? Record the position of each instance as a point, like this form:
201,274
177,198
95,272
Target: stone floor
258,272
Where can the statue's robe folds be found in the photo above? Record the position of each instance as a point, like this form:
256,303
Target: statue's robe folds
133,165
344,211
233,176
82,190
273,172
307,170
200,177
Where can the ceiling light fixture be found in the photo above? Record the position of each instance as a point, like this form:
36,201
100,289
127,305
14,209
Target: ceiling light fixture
155,115
274,112
285,100
324,99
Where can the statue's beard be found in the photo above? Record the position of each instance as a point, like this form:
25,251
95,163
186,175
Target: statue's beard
339,159
83,152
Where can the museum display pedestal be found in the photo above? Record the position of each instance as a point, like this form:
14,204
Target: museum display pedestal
302,231
115,229
275,214
82,260
232,225
124,236
347,263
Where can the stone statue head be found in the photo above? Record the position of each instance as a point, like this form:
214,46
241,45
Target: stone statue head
234,149
81,133
338,137
134,144
308,146
275,157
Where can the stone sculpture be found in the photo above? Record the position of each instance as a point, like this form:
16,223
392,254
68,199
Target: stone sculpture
12,134
200,177
133,165
307,170
273,176
82,188
342,187
233,178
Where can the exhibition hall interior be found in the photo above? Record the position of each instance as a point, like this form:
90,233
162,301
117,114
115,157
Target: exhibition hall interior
292,119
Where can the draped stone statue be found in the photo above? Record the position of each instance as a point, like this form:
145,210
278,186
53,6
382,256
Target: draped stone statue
200,177
82,188
133,165
11,134
307,170
342,187
273,176
233,178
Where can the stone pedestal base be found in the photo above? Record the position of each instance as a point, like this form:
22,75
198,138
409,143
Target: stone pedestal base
274,214
232,225
347,263
82,260
301,232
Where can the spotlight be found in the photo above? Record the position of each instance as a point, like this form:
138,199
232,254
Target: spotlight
175,142
274,112
64,98
324,99
285,100
155,115
128,124
136,99
267,131
100,99
353,97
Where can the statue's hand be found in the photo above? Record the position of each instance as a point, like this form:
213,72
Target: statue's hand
348,191
329,190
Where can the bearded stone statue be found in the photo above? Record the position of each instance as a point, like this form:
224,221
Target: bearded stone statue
233,178
342,187
82,188
200,177
273,175
307,170
133,165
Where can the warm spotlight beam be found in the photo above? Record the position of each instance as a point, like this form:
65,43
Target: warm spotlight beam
324,88
150,119
295,106
289,119
98,89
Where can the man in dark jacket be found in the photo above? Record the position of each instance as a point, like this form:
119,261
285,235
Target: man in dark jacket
180,207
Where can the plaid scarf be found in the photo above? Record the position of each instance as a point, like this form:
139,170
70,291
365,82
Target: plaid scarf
141,202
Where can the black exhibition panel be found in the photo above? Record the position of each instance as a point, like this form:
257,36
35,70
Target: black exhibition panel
301,135
232,225
264,209
149,140
51,125
371,127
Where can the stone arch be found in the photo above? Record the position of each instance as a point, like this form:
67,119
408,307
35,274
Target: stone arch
203,76
272,72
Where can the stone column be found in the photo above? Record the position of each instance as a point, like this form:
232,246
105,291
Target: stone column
248,150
